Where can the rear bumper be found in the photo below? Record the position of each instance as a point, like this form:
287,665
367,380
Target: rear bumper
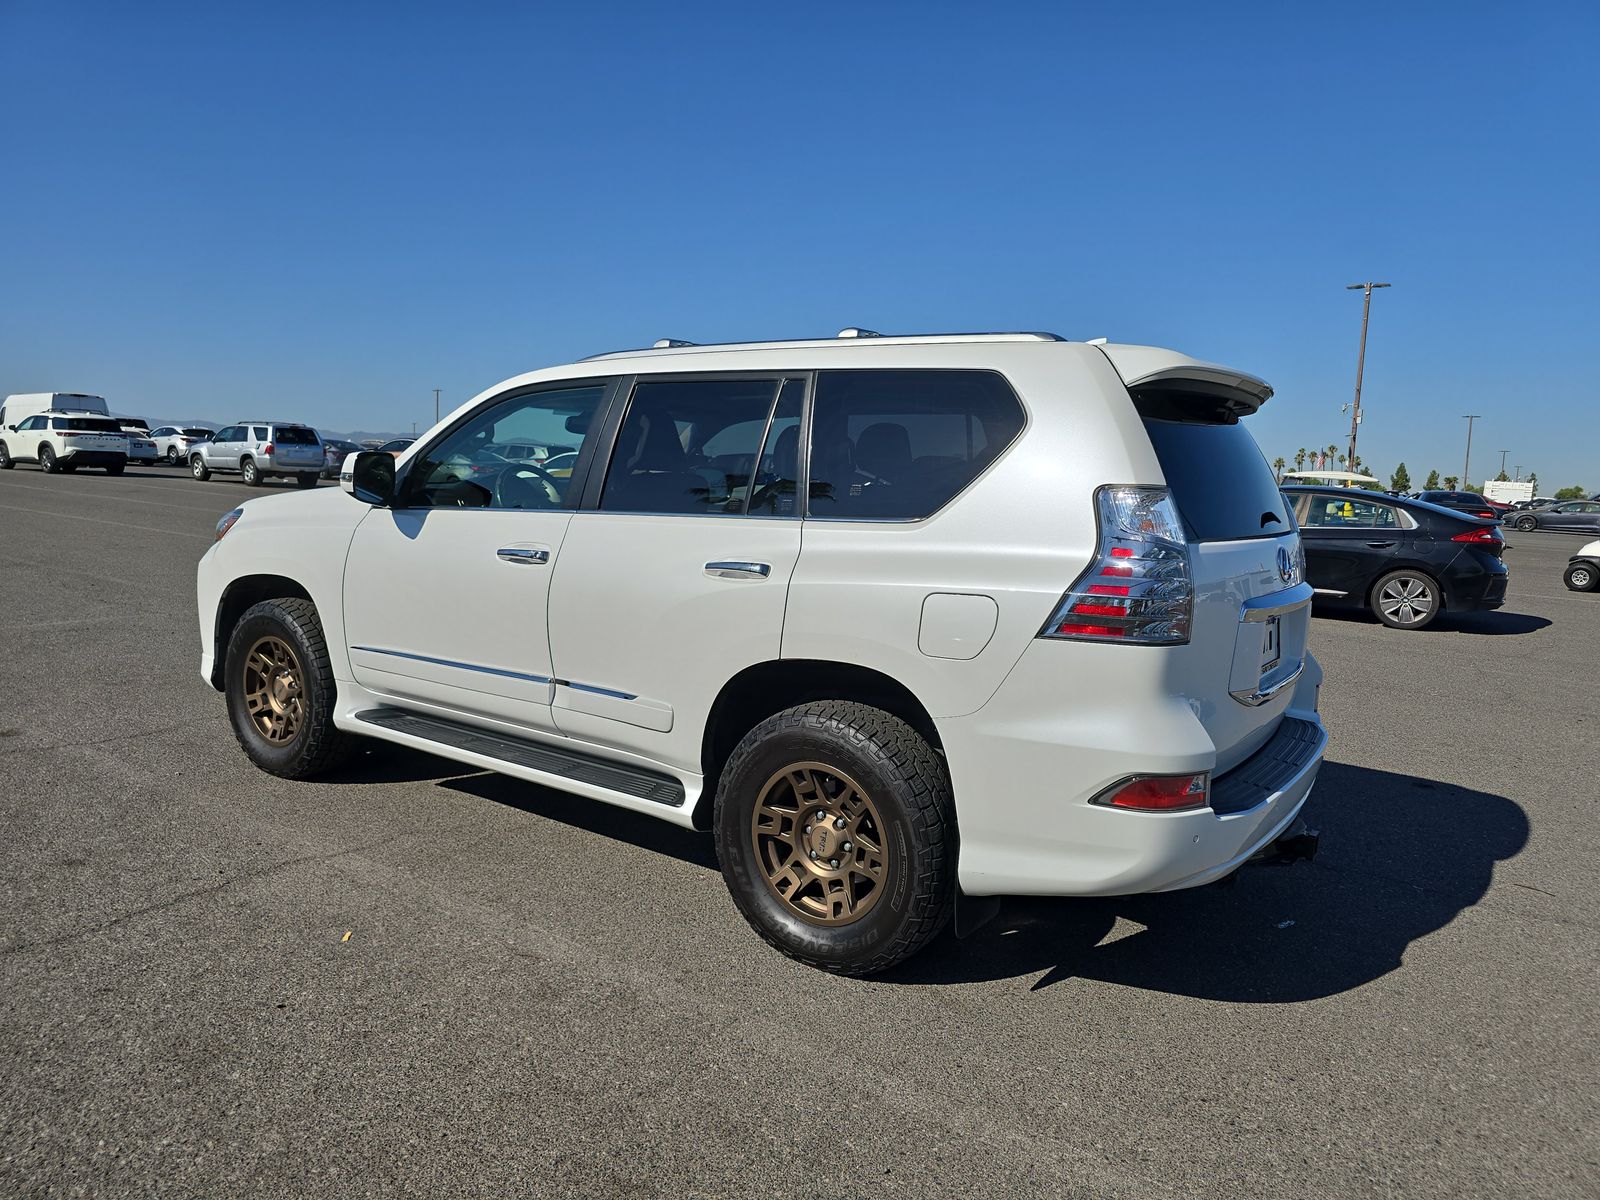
1023,777
94,458
1475,582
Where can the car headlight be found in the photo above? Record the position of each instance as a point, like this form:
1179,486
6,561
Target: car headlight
229,519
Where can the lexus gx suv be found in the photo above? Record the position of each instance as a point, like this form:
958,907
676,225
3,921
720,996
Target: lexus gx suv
907,623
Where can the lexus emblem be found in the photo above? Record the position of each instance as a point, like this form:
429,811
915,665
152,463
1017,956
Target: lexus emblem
1285,565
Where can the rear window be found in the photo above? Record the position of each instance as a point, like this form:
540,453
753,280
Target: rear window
197,433
1219,478
89,424
295,435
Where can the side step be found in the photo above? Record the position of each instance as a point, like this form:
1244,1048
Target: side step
536,756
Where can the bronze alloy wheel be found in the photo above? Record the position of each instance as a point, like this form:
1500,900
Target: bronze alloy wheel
274,694
819,844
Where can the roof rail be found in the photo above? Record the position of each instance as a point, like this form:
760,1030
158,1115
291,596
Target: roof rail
670,345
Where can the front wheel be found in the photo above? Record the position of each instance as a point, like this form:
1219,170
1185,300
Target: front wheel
250,472
281,692
1582,577
47,460
197,468
836,832
306,480
1406,600
1526,524
6,461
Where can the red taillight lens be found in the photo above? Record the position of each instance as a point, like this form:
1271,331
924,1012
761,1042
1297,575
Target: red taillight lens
1480,536
1158,793
1143,548
267,449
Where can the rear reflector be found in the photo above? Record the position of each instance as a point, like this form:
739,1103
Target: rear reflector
1486,536
1158,793
1137,590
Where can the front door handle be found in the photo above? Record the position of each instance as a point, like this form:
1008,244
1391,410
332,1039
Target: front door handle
1380,545
738,570
521,554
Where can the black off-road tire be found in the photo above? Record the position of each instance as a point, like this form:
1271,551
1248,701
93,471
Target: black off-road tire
911,789
1582,576
47,460
250,473
306,479
318,746
6,461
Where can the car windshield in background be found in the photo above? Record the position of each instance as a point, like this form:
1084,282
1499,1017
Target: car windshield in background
93,424
1219,479
295,435
1453,498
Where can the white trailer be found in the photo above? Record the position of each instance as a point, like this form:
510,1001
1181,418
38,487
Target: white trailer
1507,491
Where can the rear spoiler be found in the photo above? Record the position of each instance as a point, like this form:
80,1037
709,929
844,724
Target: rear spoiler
1144,367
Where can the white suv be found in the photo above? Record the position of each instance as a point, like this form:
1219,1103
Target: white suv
65,441
908,622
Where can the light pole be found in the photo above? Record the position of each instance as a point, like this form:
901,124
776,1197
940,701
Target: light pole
1466,465
1519,472
436,392
1361,362
1503,454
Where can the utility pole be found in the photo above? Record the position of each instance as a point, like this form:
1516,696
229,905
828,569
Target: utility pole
1503,454
436,392
1466,464
1519,472
1361,362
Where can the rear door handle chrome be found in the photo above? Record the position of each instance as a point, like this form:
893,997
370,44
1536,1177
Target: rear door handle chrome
738,570
521,554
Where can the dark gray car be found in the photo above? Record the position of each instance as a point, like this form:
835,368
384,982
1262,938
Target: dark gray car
1571,516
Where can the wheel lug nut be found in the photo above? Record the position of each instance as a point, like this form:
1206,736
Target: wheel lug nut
813,854
838,822
834,864
808,829
845,847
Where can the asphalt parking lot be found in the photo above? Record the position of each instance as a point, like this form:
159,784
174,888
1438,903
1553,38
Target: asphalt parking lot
421,979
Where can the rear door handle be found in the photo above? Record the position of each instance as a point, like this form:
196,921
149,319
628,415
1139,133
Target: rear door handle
521,554
1380,545
738,570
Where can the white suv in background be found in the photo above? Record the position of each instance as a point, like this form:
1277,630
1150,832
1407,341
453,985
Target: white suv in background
65,441
259,450
907,622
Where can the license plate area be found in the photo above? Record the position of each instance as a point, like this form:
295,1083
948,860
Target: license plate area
1271,643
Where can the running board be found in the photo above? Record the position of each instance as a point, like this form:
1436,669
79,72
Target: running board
598,772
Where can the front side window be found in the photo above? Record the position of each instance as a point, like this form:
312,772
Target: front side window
697,446
899,445
30,424
493,461
1339,512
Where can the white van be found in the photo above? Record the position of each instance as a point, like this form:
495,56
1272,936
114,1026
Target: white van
19,407
905,621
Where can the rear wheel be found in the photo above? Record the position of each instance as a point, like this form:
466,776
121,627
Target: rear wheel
116,468
6,461
836,832
306,480
281,692
1406,600
250,472
1526,524
1582,576
197,468
172,456
47,460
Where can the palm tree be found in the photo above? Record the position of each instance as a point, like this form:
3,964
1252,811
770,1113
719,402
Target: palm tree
1278,465
1300,459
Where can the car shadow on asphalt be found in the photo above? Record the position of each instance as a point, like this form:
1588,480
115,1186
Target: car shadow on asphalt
1401,858
1488,624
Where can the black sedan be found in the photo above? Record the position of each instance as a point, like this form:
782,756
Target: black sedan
1470,503
1572,516
1404,560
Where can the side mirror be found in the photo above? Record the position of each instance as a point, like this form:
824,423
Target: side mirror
369,477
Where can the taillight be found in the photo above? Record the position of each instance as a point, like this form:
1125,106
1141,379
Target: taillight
1138,589
1158,793
267,449
1480,536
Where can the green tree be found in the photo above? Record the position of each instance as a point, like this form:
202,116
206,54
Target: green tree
1571,493
1278,464
1300,459
1502,477
1400,481
1450,482
1431,484
1534,479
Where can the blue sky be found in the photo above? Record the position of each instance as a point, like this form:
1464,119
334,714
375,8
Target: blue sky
325,211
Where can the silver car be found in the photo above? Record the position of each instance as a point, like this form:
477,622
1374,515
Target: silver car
258,450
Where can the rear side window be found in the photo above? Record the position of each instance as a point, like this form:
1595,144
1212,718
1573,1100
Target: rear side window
1343,512
1218,476
899,445
295,435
